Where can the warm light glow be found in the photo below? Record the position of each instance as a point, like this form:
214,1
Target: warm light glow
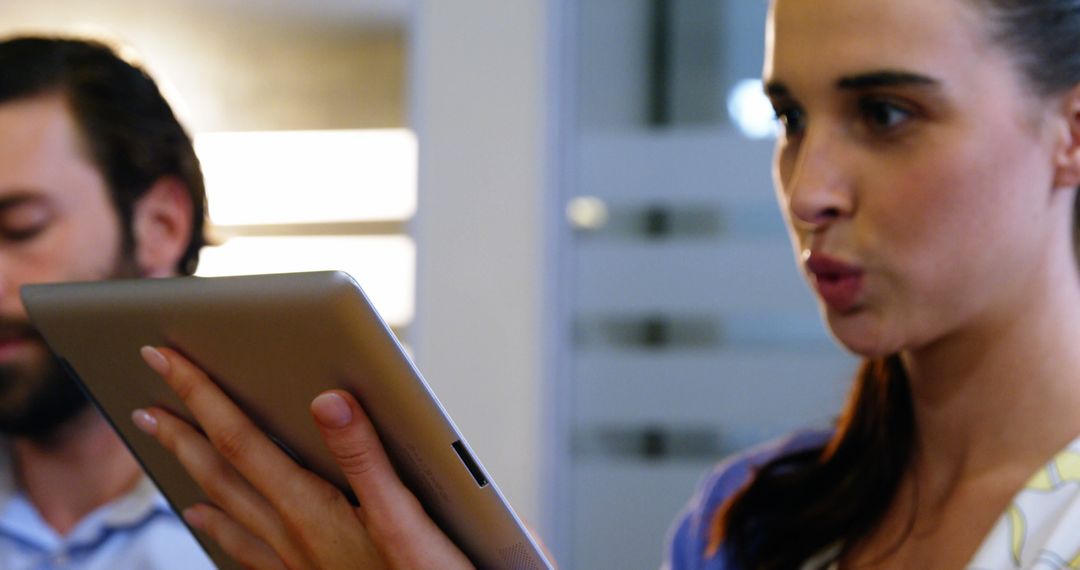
287,177
587,213
384,266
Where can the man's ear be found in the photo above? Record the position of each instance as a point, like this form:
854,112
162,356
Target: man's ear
1067,157
161,227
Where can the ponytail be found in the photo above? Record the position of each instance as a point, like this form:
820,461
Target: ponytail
798,505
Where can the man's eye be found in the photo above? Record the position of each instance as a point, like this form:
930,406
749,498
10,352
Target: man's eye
883,115
22,233
24,221
793,120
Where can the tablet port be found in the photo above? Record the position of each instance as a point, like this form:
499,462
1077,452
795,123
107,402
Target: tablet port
470,463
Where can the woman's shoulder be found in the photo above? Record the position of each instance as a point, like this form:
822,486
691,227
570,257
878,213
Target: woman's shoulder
690,534
730,475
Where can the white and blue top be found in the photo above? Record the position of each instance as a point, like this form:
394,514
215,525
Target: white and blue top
135,531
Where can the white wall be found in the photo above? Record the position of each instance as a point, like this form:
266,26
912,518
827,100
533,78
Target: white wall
478,80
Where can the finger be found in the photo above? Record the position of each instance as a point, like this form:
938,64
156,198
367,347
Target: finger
231,432
219,480
305,506
352,440
242,546
400,527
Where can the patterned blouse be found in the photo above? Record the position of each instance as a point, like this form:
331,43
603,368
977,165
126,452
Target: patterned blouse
1039,531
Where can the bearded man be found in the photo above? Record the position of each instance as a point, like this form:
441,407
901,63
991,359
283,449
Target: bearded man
98,180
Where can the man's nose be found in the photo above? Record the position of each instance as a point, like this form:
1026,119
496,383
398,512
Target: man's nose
10,301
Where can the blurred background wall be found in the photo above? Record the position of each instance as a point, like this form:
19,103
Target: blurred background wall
563,207
694,335
253,64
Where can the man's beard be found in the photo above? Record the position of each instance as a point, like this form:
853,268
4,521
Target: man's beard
37,396
36,400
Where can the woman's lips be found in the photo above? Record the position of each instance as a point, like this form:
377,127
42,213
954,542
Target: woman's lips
838,283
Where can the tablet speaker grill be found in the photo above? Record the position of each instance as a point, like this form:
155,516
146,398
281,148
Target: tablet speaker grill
518,557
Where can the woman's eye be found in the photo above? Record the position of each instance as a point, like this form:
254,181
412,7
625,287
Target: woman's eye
883,115
792,119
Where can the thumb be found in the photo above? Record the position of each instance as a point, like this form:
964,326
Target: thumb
354,444
395,519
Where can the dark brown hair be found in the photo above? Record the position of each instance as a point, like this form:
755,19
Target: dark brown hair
131,133
798,505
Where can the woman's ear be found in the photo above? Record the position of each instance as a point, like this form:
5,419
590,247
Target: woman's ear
1067,158
161,227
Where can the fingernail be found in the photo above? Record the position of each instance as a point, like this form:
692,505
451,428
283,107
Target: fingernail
144,421
331,410
154,359
195,518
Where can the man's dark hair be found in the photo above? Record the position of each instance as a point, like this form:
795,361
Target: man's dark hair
129,130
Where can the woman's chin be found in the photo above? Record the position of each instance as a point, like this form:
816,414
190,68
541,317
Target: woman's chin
866,350
862,335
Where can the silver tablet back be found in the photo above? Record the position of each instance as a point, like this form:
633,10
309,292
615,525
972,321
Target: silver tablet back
273,342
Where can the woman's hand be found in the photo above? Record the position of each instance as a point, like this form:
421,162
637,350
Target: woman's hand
268,512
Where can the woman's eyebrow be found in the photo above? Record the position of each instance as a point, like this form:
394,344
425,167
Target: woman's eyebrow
862,81
885,79
776,89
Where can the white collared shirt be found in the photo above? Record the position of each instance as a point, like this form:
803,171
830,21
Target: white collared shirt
136,531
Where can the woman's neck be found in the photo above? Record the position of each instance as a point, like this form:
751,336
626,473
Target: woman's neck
1003,395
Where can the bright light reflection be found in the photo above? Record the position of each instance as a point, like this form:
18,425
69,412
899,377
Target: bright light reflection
288,177
587,212
750,110
384,266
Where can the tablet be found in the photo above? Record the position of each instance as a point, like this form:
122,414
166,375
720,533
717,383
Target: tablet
274,342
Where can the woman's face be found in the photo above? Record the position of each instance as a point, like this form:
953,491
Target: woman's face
916,169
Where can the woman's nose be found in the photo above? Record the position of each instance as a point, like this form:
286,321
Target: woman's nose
818,185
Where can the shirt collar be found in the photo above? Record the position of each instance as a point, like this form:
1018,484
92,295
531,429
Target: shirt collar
135,506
